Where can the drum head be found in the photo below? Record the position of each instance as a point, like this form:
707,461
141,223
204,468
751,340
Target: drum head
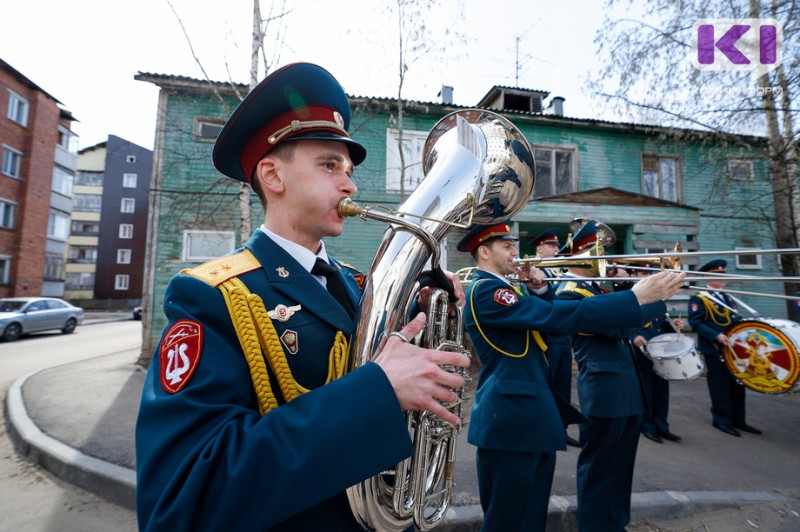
763,357
669,345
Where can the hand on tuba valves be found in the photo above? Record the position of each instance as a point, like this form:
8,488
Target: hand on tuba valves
417,375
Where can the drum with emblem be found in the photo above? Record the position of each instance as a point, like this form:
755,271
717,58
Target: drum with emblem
763,355
674,357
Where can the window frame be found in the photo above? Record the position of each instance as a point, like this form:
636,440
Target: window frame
200,121
127,205
413,173
124,256
12,162
129,180
125,231
553,177
741,162
122,281
8,213
759,262
18,105
224,236
678,176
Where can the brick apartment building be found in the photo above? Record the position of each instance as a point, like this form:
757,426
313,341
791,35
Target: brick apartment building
39,156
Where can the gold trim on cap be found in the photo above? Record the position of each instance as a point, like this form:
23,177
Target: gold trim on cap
299,125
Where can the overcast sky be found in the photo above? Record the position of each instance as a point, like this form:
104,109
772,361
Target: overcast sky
85,53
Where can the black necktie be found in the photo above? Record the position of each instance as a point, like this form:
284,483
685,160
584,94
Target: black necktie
335,286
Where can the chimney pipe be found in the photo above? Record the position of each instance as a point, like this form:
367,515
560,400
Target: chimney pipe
446,94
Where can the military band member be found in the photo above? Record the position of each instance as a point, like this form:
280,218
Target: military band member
247,420
517,422
655,426
610,396
559,346
710,315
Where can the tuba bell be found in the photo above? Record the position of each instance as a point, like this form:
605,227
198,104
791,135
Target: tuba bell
478,169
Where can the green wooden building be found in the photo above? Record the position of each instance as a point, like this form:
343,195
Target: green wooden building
655,187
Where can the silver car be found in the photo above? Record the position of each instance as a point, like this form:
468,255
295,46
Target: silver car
23,315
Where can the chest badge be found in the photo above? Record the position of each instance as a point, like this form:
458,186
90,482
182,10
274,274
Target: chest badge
290,341
282,272
282,313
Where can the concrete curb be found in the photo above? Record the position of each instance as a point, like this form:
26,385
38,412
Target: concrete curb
115,483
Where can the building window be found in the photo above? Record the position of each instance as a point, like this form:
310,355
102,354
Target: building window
91,179
207,129
5,269
12,161
204,245
661,178
129,180
87,203
748,262
413,144
121,282
58,226
83,254
8,211
555,172
127,205
67,139
130,159
79,281
62,181
18,108
84,227
126,231
740,170
53,267
123,256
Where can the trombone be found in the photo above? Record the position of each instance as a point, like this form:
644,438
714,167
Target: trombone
598,265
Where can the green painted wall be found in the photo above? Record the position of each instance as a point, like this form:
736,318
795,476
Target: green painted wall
717,213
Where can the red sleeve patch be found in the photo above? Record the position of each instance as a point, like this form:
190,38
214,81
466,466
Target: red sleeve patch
505,297
695,307
180,354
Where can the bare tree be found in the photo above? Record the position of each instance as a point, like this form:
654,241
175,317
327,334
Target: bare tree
648,71
417,38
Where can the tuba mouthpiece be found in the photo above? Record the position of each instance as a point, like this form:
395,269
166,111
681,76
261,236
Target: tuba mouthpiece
348,207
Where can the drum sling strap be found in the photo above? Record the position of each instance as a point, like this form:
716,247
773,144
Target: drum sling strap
259,339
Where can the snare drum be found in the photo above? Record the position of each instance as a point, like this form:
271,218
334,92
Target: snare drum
674,357
762,354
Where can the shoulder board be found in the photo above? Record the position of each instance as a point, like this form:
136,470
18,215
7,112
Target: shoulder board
572,286
567,286
359,277
217,271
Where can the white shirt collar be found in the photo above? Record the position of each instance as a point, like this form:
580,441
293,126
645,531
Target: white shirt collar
299,253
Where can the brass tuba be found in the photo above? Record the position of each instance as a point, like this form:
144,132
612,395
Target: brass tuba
478,169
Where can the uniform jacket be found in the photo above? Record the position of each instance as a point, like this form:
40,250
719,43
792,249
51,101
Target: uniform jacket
608,379
207,460
657,326
514,408
708,318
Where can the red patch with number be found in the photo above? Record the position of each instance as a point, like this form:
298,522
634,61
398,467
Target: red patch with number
505,297
695,307
180,354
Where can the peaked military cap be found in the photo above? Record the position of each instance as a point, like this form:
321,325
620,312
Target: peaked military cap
298,101
548,236
585,238
480,234
714,265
